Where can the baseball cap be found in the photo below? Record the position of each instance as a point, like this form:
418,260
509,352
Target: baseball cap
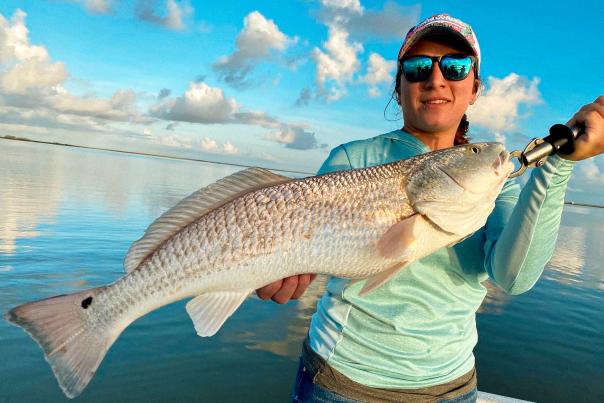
441,23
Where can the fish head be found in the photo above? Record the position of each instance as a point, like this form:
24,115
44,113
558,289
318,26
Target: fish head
456,187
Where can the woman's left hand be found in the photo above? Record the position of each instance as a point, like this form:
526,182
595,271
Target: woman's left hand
591,142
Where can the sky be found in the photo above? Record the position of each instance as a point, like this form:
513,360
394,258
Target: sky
277,83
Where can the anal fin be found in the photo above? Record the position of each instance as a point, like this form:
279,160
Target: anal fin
209,311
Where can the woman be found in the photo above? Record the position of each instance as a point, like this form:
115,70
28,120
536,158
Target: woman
412,338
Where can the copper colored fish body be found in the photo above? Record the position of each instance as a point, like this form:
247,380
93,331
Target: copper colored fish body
255,227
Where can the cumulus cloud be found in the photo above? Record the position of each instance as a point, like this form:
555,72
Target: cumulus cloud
350,5
498,108
294,137
258,38
163,93
31,80
230,149
199,104
379,71
206,144
348,21
304,97
591,171
390,23
336,64
202,103
98,6
210,145
120,107
176,13
24,66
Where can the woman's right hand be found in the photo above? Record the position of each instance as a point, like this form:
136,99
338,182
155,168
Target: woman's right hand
286,289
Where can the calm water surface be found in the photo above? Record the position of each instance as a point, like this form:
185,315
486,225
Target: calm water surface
68,216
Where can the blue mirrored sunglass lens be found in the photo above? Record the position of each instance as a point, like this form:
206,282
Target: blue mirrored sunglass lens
417,68
455,68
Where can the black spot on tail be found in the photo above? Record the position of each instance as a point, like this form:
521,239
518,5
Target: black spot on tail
86,302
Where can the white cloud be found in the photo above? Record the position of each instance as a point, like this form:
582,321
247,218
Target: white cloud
210,145
207,105
337,64
31,82
14,40
173,140
379,71
391,23
591,171
498,108
230,149
24,66
199,104
349,5
294,137
120,107
304,97
99,6
31,74
176,13
258,38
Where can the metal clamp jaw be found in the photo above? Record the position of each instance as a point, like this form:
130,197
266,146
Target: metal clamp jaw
534,155
561,140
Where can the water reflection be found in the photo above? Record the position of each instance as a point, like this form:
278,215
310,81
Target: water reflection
29,195
296,323
568,262
40,180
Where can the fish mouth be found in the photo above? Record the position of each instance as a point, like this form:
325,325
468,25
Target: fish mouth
503,166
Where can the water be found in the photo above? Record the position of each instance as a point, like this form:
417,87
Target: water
67,217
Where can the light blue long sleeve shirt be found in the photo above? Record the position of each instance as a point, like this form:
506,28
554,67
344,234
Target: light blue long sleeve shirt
419,329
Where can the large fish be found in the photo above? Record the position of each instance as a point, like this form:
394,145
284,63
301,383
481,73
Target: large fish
255,227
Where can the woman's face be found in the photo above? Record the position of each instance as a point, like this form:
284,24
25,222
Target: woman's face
435,106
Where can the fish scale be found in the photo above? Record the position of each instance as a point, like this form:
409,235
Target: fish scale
256,227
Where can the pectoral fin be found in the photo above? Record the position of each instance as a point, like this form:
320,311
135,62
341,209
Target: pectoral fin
381,278
399,237
210,311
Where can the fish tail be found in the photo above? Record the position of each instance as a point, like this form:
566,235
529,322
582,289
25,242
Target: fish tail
72,347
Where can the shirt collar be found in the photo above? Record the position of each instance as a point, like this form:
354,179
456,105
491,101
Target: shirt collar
408,139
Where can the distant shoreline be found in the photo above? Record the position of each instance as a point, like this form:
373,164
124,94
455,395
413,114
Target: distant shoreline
15,138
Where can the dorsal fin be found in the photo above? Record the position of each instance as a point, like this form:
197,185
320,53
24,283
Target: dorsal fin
196,205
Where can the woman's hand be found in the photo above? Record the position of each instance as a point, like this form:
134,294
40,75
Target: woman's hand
591,142
289,288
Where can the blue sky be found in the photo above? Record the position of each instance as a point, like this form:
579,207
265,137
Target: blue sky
275,84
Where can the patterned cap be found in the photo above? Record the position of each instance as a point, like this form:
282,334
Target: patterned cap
441,23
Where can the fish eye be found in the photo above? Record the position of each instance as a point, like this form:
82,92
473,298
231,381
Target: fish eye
475,149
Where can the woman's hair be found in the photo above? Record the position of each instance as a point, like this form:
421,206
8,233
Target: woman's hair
461,136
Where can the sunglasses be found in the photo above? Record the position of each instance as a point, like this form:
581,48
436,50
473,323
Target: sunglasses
454,67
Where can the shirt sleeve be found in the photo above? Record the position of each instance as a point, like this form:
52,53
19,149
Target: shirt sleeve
337,161
521,231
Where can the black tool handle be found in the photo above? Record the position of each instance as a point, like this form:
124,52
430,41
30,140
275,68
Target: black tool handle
561,140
